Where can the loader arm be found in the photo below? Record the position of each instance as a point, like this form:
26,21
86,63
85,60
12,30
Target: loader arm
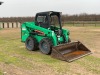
30,29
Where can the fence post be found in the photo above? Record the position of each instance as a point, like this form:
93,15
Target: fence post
20,24
17,24
0,25
7,24
12,25
3,25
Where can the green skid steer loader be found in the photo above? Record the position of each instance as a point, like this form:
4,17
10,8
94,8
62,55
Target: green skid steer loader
46,33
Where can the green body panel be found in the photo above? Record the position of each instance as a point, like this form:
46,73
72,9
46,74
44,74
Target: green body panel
66,33
28,28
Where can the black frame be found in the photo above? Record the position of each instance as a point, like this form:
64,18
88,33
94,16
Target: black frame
48,15
44,25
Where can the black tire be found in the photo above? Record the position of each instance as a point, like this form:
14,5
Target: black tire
45,46
31,44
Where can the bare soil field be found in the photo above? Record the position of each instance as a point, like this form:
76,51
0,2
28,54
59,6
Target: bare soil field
16,60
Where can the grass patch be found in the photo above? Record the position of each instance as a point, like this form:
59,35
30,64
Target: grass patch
13,52
91,64
0,28
1,73
9,59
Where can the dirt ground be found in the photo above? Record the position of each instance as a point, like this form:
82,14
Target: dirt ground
16,60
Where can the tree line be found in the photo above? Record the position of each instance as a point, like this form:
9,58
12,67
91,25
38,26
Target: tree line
81,17
16,19
65,18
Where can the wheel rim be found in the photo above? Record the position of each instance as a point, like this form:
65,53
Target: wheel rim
45,47
29,44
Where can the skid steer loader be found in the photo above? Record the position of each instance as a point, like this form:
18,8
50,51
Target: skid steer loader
46,33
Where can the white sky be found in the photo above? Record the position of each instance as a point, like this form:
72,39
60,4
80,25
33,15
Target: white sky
31,7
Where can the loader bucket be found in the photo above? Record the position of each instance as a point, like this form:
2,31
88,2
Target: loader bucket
70,51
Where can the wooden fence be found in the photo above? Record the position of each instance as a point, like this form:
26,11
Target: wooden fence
18,24
10,24
82,23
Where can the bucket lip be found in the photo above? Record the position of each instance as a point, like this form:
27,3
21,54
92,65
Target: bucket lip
79,57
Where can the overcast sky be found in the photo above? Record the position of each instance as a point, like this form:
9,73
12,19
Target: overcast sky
30,7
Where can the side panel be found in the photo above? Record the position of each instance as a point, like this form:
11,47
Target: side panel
54,38
24,32
66,34
29,27
38,38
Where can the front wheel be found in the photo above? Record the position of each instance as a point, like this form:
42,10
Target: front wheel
45,46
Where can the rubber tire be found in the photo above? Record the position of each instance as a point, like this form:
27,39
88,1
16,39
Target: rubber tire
32,42
45,46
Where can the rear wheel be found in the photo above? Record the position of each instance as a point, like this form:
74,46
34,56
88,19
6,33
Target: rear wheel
30,44
45,46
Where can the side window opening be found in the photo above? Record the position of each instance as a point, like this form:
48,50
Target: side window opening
41,19
54,20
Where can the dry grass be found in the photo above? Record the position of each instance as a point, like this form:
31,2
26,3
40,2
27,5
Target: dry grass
16,60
